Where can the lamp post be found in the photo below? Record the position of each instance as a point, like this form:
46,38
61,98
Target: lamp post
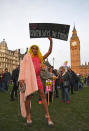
19,55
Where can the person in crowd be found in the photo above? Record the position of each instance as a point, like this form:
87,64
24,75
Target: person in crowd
15,75
72,80
6,79
88,80
65,84
81,81
56,83
49,85
44,77
27,74
61,83
1,80
60,77
52,78
76,84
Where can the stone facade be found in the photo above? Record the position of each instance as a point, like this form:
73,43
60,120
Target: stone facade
75,55
8,59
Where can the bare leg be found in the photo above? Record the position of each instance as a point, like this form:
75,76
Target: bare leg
27,104
42,95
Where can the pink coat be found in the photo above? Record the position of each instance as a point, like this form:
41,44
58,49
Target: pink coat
27,73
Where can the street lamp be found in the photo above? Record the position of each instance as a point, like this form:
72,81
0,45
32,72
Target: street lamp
19,55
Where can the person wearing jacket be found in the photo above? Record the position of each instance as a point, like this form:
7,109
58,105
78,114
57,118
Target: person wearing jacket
65,85
6,79
72,80
1,80
15,75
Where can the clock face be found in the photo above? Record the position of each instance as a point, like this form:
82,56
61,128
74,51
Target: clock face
74,43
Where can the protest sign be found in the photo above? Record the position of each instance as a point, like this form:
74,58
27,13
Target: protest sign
43,30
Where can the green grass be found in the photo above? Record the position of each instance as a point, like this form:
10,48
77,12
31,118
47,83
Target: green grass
67,117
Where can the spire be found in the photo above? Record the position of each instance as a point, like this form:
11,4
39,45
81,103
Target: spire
74,29
74,32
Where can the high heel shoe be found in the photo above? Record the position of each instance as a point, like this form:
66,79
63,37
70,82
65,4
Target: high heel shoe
29,122
50,123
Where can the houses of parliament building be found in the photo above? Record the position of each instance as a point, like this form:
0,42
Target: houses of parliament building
10,59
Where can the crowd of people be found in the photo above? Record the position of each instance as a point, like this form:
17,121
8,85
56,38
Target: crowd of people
7,79
37,76
47,74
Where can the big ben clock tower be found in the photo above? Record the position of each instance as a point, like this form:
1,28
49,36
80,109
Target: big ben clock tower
75,51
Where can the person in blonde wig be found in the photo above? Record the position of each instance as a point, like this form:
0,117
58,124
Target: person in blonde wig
37,60
39,54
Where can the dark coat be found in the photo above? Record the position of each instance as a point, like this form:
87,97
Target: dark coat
15,74
6,77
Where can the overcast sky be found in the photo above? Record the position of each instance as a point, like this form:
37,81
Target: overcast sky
15,16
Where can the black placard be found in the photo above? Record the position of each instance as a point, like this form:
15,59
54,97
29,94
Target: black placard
43,30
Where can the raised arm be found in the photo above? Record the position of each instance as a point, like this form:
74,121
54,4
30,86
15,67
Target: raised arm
50,49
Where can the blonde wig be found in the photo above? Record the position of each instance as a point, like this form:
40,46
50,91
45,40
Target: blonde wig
39,54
